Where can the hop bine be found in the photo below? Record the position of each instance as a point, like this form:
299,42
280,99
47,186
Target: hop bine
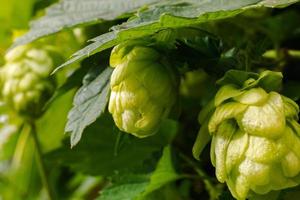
143,88
26,81
255,144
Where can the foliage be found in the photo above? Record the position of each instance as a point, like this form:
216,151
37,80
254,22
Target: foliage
168,64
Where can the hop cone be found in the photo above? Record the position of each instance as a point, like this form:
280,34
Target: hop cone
26,84
142,88
255,138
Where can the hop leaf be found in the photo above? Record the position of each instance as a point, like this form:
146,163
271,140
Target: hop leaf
255,137
143,88
26,81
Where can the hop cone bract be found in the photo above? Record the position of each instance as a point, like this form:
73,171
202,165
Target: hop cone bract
142,88
255,139
26,81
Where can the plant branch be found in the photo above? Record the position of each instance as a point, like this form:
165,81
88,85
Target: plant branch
40,162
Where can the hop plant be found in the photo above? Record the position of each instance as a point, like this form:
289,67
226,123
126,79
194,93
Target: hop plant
255,144
143,88
26,80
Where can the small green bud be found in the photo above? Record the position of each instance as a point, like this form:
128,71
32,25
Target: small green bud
26,80
143,88
255,139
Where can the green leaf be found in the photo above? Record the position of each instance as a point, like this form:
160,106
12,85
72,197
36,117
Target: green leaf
168,14
128,189
89,103
73,81
236,77
70,13
202,140
170,191
140,186
53,121
164,172
268,80
148,22
96,154
278,3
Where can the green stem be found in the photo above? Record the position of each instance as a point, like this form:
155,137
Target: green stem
21,144
117,143
40,162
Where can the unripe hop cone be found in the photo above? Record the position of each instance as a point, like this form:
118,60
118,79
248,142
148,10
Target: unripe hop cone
26,81
143,88
255,137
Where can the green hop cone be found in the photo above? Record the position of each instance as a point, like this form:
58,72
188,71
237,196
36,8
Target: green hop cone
26,81
255,144
143,88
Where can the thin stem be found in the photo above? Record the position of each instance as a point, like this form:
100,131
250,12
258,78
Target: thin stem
117,143
21,144
40,162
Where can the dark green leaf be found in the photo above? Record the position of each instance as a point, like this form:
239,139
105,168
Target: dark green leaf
269,80
70,13
128,189
73,81
163,174
96,153
169,14
89,103
236,77
140,186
